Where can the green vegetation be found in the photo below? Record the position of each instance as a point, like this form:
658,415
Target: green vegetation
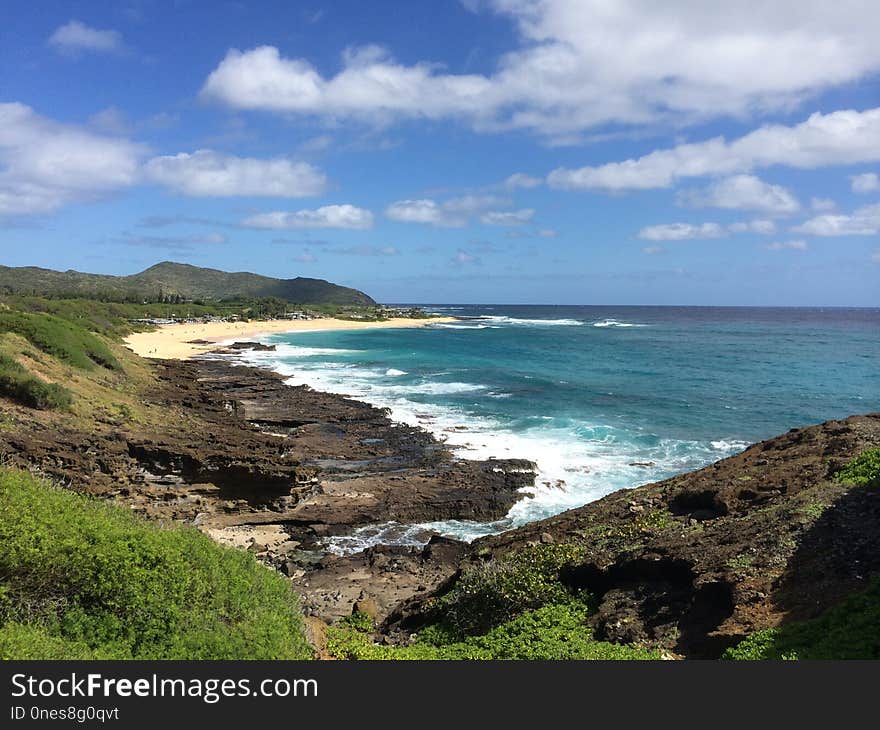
173,283
80,579
22,387
59,338
850,630
514,607
557,631
863,471
496,591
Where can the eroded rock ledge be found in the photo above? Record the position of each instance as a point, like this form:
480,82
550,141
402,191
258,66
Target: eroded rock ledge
248,458
694,563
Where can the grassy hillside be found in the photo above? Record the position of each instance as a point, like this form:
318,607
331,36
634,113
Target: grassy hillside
80,579
169,279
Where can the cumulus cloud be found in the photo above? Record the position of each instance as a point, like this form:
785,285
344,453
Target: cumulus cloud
519,180
798,245
205,173
470,204
822,205
455,212
585,63
839,138
76,37
507,218
681,232
423,211
743,192
45,165
652,250
764,227
868,182
864,221
327,216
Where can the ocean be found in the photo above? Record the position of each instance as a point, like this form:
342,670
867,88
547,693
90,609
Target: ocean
601,398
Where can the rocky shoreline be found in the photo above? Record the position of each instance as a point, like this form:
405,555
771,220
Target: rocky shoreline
689,565
275,468
695,563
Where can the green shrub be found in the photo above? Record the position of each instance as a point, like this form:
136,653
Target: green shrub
491,593
863,471
82,578
60,338
555,631
19,385
850,630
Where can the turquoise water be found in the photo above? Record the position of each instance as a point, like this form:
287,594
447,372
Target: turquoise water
600,397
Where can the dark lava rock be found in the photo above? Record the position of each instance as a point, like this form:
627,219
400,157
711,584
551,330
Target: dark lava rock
694,563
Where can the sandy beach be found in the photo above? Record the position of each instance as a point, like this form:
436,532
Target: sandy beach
178,340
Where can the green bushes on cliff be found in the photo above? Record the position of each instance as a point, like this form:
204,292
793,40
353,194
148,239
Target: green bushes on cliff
490,593
863,471
558,631
850,630
83,579
60,338
19,385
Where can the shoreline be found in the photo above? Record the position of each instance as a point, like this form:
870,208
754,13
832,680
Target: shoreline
180,341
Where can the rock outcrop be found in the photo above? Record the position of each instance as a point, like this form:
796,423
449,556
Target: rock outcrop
694,563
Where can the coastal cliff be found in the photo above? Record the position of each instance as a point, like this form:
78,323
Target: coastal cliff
686,567
694,564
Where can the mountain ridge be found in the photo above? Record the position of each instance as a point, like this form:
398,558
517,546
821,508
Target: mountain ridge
168,278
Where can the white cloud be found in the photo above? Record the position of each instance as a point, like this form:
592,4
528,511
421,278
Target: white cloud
463,258
371,85
519,180
452,213
839,138
822,205
743,192
45,165
210,174
327,216
798,245
868,182
585,63
75,37
507,218
423,211
653,250
470,204
764,227
863,222
875,257
681,232
548,233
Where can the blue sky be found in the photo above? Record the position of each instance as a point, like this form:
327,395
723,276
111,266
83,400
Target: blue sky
550,151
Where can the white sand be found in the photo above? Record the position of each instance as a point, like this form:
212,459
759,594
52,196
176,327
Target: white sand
174,340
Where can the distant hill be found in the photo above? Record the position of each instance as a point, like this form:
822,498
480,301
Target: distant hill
170,279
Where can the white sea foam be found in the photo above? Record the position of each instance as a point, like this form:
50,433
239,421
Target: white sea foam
577,462
616,323
284,350
533,322
462,326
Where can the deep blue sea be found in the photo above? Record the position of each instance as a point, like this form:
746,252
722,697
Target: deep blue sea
600,397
